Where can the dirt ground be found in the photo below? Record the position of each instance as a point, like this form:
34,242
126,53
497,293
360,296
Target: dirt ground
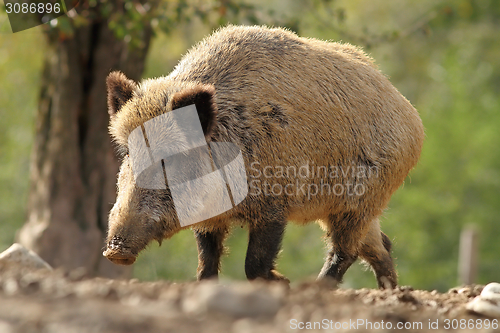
67,302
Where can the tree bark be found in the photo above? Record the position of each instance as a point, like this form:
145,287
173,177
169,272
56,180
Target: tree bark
74,167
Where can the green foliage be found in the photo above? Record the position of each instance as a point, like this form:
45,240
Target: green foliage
20,66
172,15
442,55
128,19
4,20
458,179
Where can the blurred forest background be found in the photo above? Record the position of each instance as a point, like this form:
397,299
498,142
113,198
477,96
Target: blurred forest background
443,55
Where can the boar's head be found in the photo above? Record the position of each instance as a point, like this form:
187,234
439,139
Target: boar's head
141,215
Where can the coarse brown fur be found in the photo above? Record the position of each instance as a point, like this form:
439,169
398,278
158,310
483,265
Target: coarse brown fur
288,103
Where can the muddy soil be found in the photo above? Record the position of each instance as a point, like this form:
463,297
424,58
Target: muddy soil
67,302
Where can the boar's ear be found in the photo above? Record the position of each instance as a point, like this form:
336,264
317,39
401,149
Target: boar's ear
120,89
203,97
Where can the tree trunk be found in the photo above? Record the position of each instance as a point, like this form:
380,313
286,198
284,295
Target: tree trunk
73,168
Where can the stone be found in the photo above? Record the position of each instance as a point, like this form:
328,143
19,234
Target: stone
21,255
488,302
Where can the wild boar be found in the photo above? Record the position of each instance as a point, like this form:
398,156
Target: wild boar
324,137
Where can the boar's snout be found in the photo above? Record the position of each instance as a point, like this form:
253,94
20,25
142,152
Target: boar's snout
118,253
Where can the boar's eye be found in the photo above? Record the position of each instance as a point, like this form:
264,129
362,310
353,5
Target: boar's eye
122,154
121,151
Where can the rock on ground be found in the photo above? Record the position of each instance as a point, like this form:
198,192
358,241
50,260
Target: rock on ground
19,254
488,302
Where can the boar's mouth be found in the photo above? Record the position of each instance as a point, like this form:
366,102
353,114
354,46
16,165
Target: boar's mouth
118,254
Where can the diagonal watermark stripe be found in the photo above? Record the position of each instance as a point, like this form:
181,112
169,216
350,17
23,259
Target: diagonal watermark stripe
26,14
170,150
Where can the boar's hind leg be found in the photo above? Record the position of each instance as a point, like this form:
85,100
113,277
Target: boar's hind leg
376,250
210,248
344,232
263,246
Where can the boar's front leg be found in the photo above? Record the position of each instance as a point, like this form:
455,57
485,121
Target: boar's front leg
210,248
264,243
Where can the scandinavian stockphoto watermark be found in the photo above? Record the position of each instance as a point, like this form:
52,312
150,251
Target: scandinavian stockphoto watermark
309,180
204,180
26,14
